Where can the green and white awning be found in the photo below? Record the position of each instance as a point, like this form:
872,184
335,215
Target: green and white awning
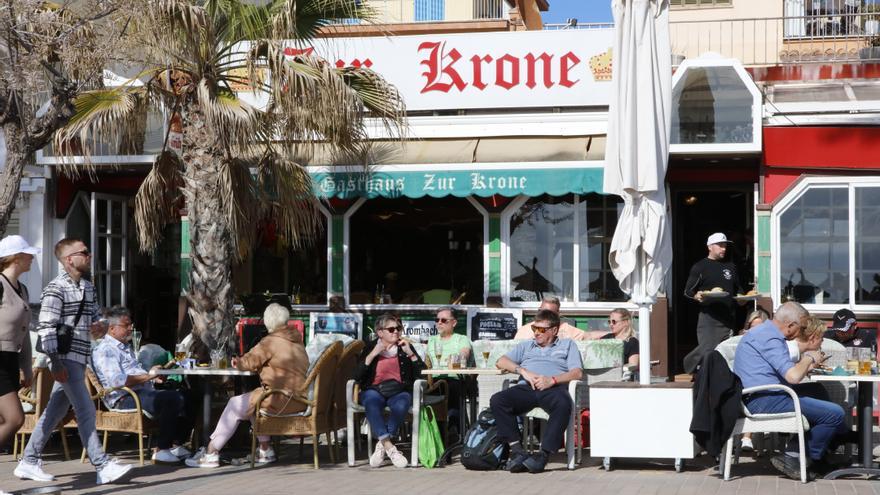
458,179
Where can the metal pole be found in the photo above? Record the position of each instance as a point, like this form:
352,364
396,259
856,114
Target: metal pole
644,322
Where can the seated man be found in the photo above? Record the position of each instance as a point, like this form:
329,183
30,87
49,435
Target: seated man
762,358
566,330
446,344
115,365
545,364
845,329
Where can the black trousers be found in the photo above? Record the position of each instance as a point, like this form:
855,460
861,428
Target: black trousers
509,404
710,333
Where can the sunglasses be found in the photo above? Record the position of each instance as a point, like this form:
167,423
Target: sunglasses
615,322
84,252
391,329
537,329
443,320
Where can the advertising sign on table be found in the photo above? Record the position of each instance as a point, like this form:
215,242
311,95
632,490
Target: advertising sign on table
350,324
493,323
419,331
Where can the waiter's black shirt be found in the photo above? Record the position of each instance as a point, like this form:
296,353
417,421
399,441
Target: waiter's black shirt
707,274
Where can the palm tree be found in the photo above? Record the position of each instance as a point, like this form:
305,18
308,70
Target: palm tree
240,163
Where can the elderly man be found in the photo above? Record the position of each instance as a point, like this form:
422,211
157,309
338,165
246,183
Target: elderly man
545,365
69,302
446,344
566,330
762,358
116,366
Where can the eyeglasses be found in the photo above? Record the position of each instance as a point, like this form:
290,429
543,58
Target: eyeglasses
537,329
84,252
391,329
443,320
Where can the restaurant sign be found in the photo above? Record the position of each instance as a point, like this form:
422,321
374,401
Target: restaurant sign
459,180
481,70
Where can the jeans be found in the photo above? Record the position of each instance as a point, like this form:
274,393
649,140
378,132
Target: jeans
167,407
509,404
63,395
824,416
374,404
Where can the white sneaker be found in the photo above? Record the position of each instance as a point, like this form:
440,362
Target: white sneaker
202,459
747,445
265,456
112,471
398,459
165,456
27,471
378,455
181,452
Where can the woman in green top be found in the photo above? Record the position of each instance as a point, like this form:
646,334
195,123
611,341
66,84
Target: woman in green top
446,344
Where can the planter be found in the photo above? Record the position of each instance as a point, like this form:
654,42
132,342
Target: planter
870,53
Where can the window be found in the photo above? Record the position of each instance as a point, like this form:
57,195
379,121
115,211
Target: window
298,271
699,3
829,240
416,251
429,10
560,243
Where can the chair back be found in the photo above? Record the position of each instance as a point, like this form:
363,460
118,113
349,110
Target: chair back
42,388
344,371
319,382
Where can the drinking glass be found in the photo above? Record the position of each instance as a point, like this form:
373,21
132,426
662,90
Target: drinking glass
455,361
865,361
136,341
218,359
179,352
438,352
487,350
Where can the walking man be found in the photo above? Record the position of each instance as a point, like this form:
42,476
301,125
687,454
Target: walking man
69,299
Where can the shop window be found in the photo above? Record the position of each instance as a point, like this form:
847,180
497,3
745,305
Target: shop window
416,251
559,243
429,10
828,256
300,272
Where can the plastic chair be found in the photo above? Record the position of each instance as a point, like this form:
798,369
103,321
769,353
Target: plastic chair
789,422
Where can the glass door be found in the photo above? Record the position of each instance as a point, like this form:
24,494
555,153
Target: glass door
109,245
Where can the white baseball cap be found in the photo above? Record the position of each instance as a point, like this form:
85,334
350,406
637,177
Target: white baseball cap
14,244
717,238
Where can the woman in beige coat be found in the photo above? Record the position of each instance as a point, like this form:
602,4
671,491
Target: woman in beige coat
282,363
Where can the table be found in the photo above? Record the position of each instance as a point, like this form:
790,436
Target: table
462,423
206,390
866,383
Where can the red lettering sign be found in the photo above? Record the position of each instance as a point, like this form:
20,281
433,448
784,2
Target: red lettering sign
531,60
566,63
437,68
513,62
477,62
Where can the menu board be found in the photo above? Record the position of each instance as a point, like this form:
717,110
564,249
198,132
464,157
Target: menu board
350,324
493,323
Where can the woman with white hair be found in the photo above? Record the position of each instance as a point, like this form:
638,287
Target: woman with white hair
282,363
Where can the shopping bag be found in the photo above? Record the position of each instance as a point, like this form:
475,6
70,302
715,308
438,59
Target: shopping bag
430,443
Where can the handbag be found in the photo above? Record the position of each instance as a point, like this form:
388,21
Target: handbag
430,442
64,332
389,388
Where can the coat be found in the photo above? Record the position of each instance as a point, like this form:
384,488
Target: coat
282,363
717,403
410,370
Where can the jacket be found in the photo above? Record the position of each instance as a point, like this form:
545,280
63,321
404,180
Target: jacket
15,317
410,370
282,363
717,403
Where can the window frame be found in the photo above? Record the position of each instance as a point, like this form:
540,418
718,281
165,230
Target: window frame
346,264
599,306
850,183
329,257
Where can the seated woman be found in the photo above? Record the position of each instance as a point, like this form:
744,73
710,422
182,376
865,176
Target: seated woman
386,370
754,319
620,324
282,363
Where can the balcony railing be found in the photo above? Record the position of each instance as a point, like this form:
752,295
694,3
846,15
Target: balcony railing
780,40
407,11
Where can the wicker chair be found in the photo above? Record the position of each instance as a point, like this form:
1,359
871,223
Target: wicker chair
134,420
317,393
41,388
344,371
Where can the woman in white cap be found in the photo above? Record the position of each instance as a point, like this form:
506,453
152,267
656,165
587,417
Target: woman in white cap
16,257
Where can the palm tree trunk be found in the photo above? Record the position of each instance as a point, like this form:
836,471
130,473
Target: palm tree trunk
10,177
211,245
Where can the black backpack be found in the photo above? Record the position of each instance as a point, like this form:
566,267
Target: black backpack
483,450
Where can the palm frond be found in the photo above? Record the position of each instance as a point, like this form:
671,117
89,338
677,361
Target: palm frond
303,19
157,200
243,200
235,122
290,200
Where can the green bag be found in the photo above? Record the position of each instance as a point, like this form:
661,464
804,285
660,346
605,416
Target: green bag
430,443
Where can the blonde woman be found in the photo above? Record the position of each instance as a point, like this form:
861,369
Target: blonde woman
754,319
620,326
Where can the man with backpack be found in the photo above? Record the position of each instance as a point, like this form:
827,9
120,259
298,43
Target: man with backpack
545,365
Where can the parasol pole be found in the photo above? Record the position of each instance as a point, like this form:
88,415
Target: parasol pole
644,321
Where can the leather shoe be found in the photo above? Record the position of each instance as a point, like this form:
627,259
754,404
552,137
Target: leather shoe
789,466
517,459
851,436
827,464
535,464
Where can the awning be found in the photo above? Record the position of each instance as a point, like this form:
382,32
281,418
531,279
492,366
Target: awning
459,179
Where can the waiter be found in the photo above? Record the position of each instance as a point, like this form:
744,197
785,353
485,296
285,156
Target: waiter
717,313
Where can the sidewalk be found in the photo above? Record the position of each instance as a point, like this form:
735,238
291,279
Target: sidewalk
293,475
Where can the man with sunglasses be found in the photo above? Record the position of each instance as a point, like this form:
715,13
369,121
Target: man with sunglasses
846,330
566,329
446,344
545,365
70,298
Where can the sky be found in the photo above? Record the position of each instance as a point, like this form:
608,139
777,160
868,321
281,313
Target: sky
583,10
